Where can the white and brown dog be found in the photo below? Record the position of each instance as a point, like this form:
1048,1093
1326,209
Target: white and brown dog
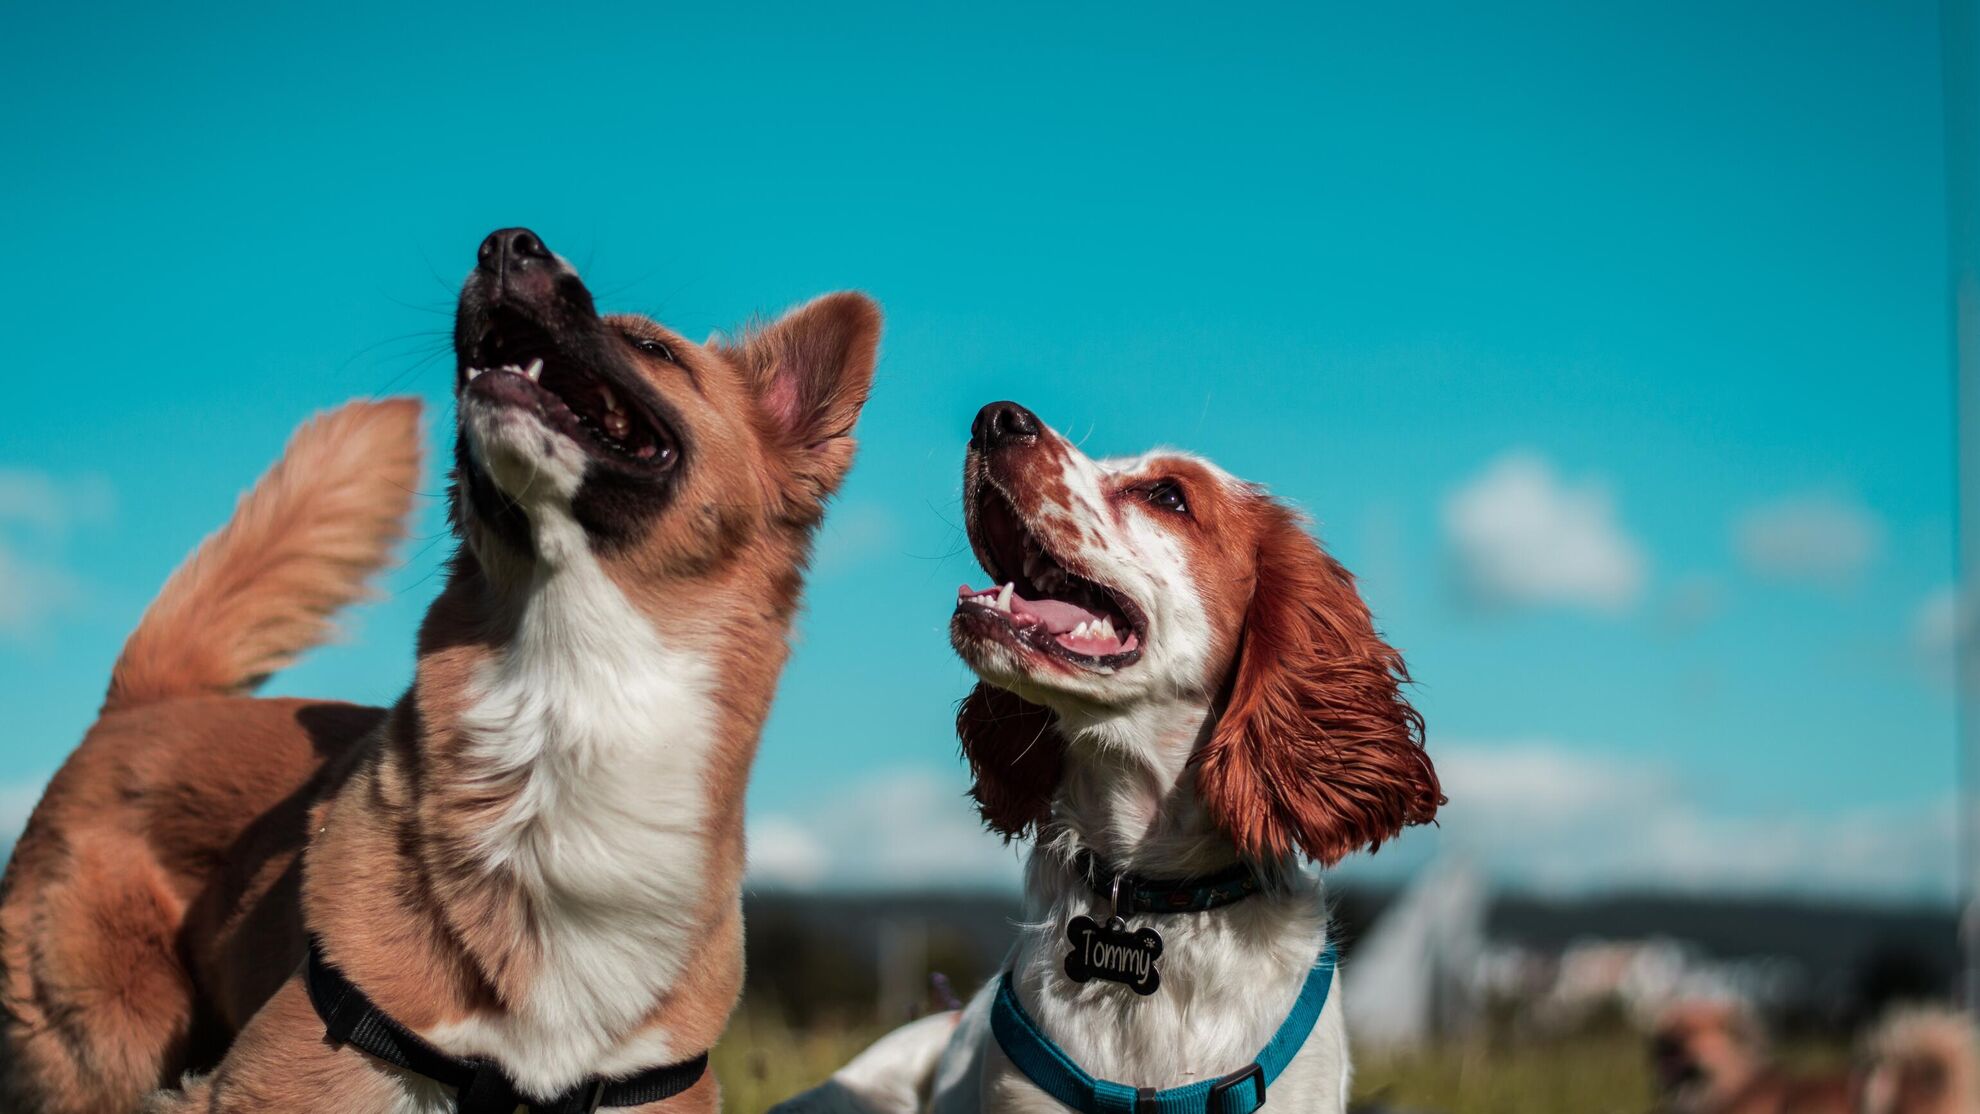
522,880
1177,683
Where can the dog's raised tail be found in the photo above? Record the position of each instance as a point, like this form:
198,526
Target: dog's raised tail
301,544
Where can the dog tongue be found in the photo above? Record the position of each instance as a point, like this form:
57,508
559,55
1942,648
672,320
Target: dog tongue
1058,616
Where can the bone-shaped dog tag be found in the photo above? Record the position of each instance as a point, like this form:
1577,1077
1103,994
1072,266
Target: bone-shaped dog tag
1114,952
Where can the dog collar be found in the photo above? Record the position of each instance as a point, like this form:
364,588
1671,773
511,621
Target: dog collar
1136,894
1240,1092
481,1087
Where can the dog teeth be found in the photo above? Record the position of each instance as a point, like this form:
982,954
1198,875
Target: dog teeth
1093,630
533,373
997,599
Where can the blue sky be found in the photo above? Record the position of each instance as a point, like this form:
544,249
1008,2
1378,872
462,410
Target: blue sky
1609,346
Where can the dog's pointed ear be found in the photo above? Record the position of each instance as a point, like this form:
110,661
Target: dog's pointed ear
1015,755
1316,750
811,370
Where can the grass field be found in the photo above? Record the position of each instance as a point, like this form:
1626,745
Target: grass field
762,1061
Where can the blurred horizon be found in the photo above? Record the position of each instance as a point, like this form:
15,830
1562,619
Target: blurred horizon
1609,348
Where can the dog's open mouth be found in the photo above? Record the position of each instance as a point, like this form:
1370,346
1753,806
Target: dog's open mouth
1038,603
517,363
1674,1066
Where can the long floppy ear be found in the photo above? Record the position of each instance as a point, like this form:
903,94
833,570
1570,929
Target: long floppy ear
811,370
1316,751
1016,755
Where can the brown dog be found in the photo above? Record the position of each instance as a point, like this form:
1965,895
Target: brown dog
532,861
1710,1056
1921,1060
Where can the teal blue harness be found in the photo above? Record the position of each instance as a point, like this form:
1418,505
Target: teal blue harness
1240,1092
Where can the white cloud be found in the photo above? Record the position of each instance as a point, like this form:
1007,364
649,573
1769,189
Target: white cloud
31,591
1692,602
853,533
1820,538
36,512
1505,783
785,852
1521,535
900,828
1935,625
1535,814
1558,818
51,504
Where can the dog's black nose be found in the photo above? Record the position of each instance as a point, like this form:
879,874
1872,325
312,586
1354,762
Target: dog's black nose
511,247
1002,423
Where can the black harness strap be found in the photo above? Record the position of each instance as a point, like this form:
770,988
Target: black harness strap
482,1087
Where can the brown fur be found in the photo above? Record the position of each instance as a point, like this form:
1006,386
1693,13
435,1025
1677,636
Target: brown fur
1015,757
1316,750
1712,1057
154,917
140,871
299,546
1921,1060
812,416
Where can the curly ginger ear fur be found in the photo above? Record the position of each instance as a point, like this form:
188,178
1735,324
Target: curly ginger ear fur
1316,750
1015,755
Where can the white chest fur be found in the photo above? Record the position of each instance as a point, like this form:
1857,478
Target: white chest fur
600,731
1229,978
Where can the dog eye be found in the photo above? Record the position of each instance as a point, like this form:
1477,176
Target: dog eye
652,347
1168,495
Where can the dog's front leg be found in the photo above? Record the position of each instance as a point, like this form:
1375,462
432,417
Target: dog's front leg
281,1064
